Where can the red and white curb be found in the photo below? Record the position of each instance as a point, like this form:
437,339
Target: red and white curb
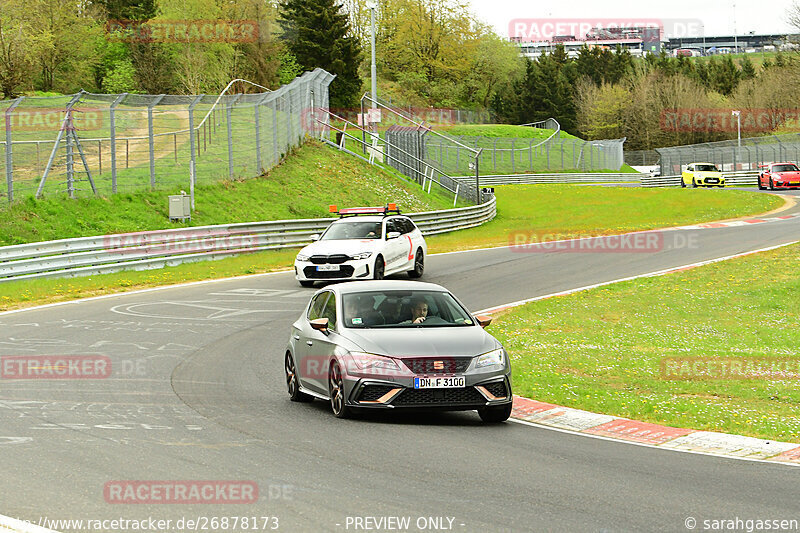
598,425
734,223
12,525
655,435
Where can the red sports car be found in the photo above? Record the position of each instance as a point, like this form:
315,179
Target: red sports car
779,176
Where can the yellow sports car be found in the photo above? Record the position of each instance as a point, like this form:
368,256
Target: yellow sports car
702,175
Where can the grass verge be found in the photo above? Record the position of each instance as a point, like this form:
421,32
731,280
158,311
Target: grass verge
573,210
545,208
602,350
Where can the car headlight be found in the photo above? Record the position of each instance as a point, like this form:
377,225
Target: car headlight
495,357
301,257
362,255
367,361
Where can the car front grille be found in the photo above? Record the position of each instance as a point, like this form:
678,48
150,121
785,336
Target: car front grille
371,393
428,365
434,397
345,271
336,259
498,389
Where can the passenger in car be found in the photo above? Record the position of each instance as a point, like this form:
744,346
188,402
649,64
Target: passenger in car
419,312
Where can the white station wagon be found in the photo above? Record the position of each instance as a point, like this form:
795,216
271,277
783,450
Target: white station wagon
365,243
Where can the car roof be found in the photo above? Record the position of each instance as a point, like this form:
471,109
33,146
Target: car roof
367,218
786,163
354,287
703,163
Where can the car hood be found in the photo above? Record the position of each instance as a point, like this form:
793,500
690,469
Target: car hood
424,341
707,174
788,175
344,246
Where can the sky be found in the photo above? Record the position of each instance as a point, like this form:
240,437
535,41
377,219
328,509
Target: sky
716,17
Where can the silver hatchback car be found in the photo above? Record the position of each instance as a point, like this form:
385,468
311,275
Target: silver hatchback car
396,344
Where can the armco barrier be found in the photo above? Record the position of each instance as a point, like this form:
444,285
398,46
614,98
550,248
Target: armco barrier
556,177
155,249
738,178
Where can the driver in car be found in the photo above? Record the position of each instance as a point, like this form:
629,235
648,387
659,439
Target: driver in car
419,312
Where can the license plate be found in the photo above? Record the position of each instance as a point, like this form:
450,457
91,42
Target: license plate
712,180
440,383
327,268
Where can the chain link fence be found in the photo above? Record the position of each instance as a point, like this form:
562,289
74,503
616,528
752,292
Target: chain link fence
526,155
730,155
87,143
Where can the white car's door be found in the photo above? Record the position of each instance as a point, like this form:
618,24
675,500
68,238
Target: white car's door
395,250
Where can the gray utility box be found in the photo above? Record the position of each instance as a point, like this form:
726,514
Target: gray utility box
180,207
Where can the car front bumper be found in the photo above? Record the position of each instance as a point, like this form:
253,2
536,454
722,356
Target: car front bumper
482,389
352,269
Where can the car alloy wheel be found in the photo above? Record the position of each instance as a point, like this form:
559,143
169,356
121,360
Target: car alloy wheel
380,268
419,265
760,186
336,391
292,383
771,185
495,414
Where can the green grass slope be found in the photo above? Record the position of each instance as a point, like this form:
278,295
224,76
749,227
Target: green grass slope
302,186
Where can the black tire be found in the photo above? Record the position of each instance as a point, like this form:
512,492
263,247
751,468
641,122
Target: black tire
694,184
683,183
306,283
336,391
495,414
760,187
292,383
419,265
771,185
379,269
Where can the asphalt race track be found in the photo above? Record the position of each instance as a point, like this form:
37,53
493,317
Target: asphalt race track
197,393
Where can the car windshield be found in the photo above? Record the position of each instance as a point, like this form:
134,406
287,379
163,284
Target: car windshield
403,309
706,168
357,229
784,168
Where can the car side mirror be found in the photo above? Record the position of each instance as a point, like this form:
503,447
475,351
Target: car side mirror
320,324
392,235
483,320
315,237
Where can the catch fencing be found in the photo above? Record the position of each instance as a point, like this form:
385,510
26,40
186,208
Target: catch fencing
731,155
520,155
156,249
86,143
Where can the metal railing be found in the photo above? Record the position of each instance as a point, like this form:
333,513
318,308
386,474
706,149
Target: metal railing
156,249
741,178
564,177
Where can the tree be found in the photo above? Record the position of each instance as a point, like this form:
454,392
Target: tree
317,33
748,70
16,48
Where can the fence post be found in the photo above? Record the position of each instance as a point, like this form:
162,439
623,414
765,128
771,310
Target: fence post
513,165
113,135
275,127
192,158
256,111
9,150
230,133
151,140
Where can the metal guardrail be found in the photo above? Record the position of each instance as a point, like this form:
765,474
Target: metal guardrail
738,178
155,249
556,177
